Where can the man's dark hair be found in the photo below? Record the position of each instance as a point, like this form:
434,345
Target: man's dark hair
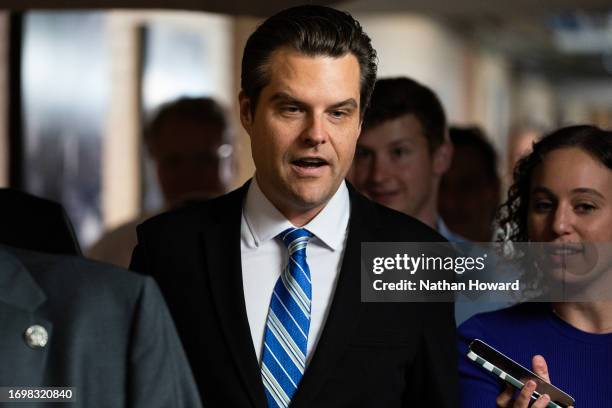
313,31
474,137
202,110
396,97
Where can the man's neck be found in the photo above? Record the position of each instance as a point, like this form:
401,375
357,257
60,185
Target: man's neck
301,218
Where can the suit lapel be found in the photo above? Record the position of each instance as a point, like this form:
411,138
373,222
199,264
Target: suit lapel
20,297
346,307
17,287
222,249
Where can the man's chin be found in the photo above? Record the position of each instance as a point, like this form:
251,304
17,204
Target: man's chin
311,196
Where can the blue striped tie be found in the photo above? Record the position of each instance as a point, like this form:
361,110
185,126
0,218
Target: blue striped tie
286,337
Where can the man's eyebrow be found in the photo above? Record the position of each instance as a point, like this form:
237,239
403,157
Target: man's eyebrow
401,140
285,97
347,103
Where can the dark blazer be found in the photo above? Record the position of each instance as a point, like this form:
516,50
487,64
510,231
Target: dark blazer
109,334
368,355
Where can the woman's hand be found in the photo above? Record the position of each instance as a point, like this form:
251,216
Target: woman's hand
505,399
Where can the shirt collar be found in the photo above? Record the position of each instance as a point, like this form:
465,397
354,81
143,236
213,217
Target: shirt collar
264,222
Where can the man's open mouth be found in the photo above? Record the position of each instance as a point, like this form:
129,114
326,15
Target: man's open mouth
310,162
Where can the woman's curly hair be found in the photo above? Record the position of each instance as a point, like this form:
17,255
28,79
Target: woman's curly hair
512,214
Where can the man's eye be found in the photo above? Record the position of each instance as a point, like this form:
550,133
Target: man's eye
338,114
400,152
290,109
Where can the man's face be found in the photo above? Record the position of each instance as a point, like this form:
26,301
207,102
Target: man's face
394,166
469,196
304,130
189,161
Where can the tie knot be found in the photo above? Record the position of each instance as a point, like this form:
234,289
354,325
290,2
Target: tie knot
295,239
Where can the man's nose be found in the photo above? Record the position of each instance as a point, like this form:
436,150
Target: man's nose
380,169
315,133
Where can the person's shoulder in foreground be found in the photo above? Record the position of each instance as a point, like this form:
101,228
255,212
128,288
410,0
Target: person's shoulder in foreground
71,322
577,361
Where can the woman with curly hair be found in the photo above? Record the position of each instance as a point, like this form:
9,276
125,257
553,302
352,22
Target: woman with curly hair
562,195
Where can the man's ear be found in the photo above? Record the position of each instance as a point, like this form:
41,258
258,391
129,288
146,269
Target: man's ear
442,158
246,115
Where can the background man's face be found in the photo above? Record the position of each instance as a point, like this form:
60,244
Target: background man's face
469,195
188,162
394,167
304,129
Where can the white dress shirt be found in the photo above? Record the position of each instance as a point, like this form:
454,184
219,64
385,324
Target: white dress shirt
264,257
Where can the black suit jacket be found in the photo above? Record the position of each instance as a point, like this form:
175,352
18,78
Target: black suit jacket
368,355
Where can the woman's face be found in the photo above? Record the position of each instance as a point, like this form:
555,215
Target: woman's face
570,208
571,199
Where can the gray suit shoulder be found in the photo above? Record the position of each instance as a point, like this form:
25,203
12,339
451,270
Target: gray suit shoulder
73,280
113,323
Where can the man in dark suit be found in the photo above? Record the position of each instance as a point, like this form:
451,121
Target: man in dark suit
69,322
264,282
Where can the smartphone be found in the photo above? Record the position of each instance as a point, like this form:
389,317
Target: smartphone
515,374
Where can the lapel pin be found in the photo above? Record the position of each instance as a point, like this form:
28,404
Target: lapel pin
36,336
